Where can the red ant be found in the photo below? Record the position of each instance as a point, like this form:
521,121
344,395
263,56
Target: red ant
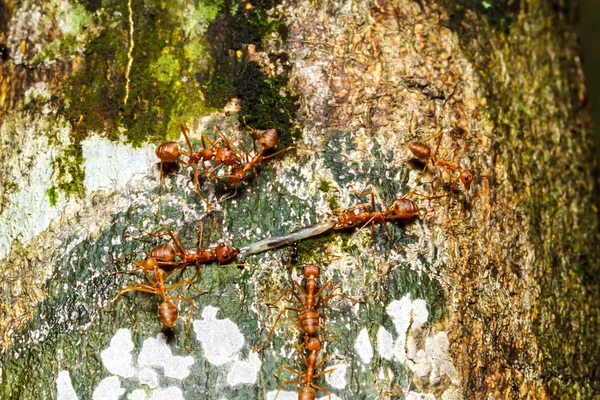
402,209
423,152
239,171
172,152
166,255
167,311
307,392
308,317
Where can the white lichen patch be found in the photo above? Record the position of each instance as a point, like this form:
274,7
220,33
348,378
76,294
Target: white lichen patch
170,393
363,347
406,313
64,387
433,361
148,377
337,379
452,394
108,389
117,357
221,339
156,353
44,29
385,343
112,165
29,212
283,395
244,371
39,91
419,396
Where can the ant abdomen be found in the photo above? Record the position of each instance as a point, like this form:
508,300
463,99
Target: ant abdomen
405,208
307,393
168,152
420,150
309,321
168,313
268,139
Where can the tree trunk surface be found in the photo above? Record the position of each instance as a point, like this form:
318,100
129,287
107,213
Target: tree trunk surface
490,293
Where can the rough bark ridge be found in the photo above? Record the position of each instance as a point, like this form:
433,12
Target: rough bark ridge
492,293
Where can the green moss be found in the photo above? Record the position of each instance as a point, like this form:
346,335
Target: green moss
333,203
70,172
52,194
324,186
265,101
165,68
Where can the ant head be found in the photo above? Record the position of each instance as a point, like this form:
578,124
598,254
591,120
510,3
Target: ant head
167,313
311,270
225,253
466,178
347,219
225,156
149,264
313,344
207,154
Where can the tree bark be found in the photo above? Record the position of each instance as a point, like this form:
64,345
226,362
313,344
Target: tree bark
491,292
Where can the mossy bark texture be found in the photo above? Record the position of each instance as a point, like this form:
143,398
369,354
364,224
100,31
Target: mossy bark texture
490,293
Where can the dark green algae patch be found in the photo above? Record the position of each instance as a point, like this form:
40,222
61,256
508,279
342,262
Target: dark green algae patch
189,60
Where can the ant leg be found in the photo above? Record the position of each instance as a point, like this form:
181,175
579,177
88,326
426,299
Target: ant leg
246,152
197,189
187,139
160,181
288,149
129,271
126,289
292,370
369,222
201,236
183,281
320,387
334,335
387,231
274,181
331,296
158,233
320,363
441,134
258,350
286,383
299,288
189,320
301,353
272,303
129,255
227,142
322,288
